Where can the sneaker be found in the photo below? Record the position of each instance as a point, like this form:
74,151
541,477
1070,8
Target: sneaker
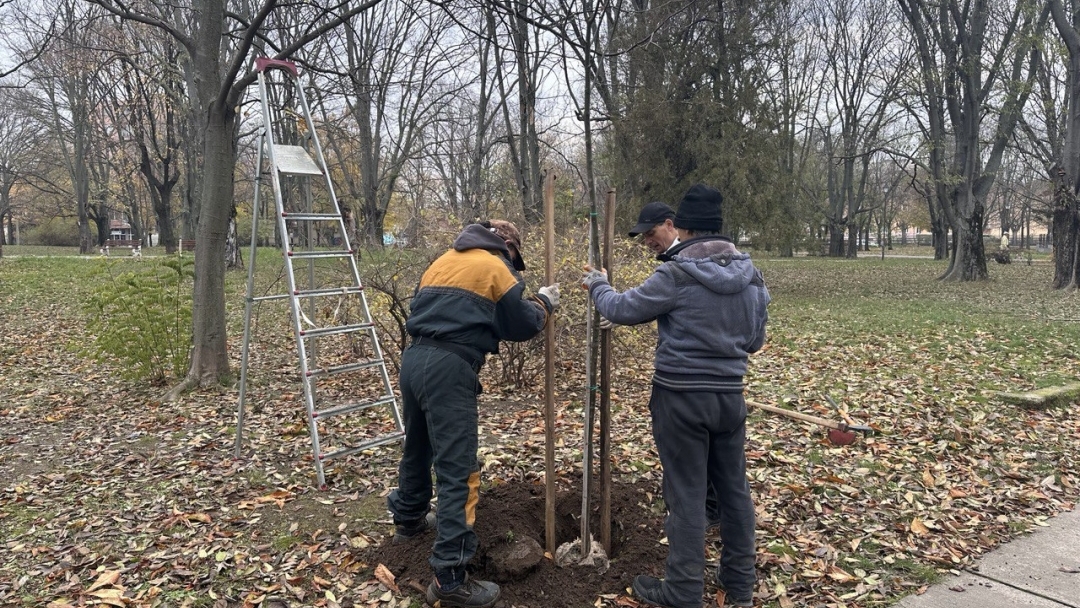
732,601
469,593
729,599
649,590
405,532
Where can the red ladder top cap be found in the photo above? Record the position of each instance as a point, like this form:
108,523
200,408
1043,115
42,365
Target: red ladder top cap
265,63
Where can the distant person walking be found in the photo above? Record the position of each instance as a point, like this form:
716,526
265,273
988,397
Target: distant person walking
1005,242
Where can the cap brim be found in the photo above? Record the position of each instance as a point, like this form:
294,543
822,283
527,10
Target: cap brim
642,228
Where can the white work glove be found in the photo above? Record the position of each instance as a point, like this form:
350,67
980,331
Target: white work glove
606,323
551,292
591,276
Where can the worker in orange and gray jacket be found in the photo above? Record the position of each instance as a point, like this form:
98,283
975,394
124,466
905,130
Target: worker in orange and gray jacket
468,300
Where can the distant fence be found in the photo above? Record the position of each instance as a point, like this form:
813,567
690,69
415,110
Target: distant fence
1035,241
129,243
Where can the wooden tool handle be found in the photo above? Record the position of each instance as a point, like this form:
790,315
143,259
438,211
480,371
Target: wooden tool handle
798,415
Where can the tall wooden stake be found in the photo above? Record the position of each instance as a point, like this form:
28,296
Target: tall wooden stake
592,357
549,367
605,387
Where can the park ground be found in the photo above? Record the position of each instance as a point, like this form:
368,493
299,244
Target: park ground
110,497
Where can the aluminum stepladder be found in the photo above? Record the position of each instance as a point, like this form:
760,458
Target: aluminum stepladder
337,329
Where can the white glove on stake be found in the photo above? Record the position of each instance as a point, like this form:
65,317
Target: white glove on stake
551,292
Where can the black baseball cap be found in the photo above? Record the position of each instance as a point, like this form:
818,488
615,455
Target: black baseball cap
652,214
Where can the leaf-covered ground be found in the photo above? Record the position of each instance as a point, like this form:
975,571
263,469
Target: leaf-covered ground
109,497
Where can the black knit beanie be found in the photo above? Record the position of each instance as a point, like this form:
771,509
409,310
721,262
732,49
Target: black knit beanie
700,209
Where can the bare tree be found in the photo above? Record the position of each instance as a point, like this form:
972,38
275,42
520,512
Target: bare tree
1066,209
521,74
796,94
977,62
151,97
862,72
63,79
398,62
218,43
465,139
19,132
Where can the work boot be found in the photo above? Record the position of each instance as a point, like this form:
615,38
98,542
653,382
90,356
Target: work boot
468,593
403,533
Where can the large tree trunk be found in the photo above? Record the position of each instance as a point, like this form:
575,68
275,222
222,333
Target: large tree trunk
161,199
1065,218
853,241
969,258
836,239
1065,228
209,358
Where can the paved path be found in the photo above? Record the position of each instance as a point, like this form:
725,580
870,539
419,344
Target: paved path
1041,570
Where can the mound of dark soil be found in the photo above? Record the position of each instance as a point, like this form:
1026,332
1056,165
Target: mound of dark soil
513,510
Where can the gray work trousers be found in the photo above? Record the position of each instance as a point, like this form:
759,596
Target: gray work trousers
701,439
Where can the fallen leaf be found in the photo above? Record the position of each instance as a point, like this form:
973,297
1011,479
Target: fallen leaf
386,577
918,527
107,578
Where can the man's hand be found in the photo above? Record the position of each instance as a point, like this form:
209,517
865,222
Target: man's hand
551,292
591,276
606,323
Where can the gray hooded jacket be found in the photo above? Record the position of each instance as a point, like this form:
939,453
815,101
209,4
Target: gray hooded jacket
710,304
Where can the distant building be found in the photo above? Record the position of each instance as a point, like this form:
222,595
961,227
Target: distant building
120,230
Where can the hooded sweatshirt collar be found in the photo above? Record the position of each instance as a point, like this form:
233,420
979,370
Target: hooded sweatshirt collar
714,262
475,236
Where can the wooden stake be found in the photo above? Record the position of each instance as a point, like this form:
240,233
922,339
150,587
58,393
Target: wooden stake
549,367
605,386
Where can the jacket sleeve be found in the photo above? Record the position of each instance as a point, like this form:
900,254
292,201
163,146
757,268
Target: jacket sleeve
656,296
517,318
761,308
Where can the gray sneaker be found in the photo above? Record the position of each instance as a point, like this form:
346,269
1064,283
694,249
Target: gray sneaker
403,533
650,591
469,594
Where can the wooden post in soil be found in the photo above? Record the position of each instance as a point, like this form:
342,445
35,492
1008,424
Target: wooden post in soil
549,367
605,386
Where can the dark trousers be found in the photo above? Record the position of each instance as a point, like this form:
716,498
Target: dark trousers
701,438
438,393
